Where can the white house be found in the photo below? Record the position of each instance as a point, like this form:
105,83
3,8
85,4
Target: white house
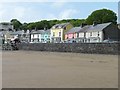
35,36
6,26
98,32
82,34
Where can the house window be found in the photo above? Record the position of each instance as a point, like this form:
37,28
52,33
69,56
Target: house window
48,39
59,33
98,34
42,39
77,34
91,34
84,34
53,33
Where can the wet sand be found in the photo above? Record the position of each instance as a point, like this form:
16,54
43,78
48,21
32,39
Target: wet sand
30,69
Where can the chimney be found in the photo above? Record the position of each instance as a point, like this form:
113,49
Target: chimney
94,23
83,24
44,28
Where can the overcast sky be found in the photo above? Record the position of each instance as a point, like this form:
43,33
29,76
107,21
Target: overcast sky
36,11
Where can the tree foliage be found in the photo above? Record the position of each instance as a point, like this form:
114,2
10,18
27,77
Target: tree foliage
44,24
99,16
102,16
17,24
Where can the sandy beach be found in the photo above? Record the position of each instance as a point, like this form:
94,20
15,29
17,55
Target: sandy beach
34,69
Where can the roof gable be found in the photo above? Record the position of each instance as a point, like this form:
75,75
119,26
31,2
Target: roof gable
58,26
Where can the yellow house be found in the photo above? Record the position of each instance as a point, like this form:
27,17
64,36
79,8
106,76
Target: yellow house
58,32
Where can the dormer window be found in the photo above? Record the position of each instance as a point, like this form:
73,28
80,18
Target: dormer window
56,27
59,27
65,28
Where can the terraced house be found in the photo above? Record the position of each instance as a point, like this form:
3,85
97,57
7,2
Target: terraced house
35,36
93,33
101,32
72,34
58,32
45,36
5,29
40,36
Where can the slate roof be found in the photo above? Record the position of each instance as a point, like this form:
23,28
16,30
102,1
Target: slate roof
84,29
47,31
98,27
40,31
63,25
36,32
73,30
89,28
17,32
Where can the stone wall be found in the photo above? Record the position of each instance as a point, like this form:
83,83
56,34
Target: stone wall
98,48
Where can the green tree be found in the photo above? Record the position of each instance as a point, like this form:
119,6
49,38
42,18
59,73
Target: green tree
102,16
31,26
17,24
24,26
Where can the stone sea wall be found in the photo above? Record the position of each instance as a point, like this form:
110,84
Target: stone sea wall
96,48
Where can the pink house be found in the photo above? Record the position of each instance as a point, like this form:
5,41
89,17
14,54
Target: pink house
72,33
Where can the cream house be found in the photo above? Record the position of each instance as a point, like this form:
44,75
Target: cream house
58,32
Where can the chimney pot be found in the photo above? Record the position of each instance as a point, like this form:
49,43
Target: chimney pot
94,23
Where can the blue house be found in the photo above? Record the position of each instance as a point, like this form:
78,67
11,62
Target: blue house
45,36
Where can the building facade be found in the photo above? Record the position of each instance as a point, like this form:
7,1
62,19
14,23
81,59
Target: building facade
6,27
45,36
72,34
98,33
40,36
58,32
35,36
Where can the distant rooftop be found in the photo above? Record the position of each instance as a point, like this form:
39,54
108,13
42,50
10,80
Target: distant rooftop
73,30
40,31
89,28
63,25
98,27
